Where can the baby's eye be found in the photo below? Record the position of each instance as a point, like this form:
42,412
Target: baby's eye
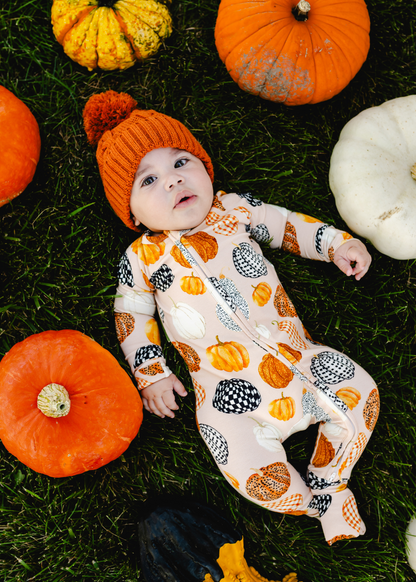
181,162
148,181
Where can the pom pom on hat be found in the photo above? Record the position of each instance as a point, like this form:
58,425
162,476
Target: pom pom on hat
105,111
124,135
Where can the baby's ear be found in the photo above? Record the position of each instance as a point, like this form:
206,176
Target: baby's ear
135,220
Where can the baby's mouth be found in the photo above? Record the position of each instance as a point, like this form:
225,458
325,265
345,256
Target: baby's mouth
184,198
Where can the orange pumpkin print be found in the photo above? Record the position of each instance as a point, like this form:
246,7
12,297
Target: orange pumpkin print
262,293
212,217
228,356
283,408
205,245
227,226
283,304
152,370
200,394
324,452
274,372
288,505
189,355
157,238
124,325
371,410
307,218
268,483
151,329
244,210
192,285
350,396
216,203
292,332
148,253
289,353
234,481
290,241
146,280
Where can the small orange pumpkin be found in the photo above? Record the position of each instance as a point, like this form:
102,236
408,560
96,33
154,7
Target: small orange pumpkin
350,396
283,408
190,356
192,285
324,452
151,329
66,405
274,372
228,356
148,253
283,304
20,149
290,52
262,293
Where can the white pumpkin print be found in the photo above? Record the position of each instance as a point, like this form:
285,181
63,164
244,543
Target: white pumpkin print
189,323
268,436
262,331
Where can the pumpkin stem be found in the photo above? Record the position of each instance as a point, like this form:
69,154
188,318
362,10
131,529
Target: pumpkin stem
219,342
413,171
300,11
53,400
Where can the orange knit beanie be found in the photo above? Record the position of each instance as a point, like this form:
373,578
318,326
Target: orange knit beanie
124,135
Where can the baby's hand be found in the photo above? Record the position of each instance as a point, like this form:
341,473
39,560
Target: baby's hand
159,398
353,258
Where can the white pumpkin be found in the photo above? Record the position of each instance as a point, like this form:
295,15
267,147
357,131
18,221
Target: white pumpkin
189,323
411,543
262,330
372,179
268,436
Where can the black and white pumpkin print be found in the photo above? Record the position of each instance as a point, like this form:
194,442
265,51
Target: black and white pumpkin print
236,396
318,238
247,262
124,271
321,503
260,233
216,443
250,198
315,482
162,278
147,353
310,406
233,298
332,367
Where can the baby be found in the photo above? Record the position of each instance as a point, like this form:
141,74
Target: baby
257,374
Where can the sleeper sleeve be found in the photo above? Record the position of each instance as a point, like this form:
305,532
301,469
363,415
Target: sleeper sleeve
295,232
136,327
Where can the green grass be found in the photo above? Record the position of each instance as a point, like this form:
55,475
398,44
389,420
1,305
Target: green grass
60,243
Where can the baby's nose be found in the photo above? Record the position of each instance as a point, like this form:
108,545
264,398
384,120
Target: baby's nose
175,181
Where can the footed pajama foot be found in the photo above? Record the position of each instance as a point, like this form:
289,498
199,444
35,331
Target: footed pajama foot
338,514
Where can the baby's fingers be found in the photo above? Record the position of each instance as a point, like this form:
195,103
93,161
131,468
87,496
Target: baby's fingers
157,406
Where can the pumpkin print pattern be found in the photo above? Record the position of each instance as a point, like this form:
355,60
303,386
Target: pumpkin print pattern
269,482
124,273
324,452
332,368
236,396
190,356
371,410
350,513
247,262
200,394
283,304
289,504
250,199
274,372
216,443
290,241
216,203
148,253
124,325
261,294
152,370
227,226
250,360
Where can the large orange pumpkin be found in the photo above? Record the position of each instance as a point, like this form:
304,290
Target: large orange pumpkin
110,34
20,146
280,52
66,405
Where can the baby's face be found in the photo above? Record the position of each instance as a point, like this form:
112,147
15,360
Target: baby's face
171,191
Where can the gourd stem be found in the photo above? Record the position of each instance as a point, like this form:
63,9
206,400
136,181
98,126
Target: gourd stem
300,11
53,400
413,171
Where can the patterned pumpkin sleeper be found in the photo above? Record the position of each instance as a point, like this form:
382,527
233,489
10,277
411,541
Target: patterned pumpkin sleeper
258,375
